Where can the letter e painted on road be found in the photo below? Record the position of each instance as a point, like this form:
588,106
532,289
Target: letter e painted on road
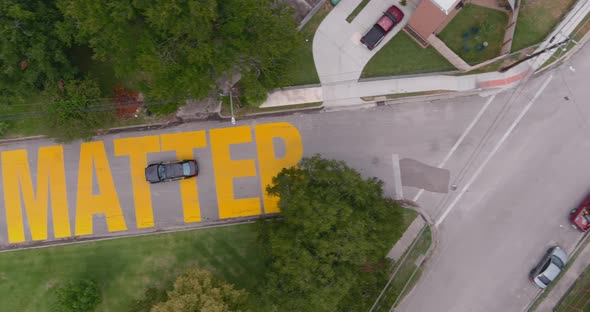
50,176
227,169
93,156
184,143
270,165
137,148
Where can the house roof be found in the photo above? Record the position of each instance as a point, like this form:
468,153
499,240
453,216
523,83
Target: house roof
445,5
427,17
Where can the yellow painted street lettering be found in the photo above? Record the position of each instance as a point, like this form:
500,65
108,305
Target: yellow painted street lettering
184,143
137,149
93,158
227,169
268,164
50,177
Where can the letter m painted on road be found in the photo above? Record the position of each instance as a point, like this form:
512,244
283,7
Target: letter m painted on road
16,180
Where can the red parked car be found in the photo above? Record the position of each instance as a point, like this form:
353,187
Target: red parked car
580,217
390,18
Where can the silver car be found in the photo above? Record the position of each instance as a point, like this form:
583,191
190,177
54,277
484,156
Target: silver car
549,268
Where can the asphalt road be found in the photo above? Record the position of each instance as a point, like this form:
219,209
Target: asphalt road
365,139
495,227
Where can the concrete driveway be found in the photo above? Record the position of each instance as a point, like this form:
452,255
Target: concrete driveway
338,54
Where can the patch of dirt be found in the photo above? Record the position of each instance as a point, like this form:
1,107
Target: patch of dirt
49,284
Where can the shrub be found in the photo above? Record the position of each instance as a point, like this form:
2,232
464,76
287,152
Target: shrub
79,296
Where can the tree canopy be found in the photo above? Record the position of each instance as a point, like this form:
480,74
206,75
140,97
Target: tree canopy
32,53
74,112
169,49
334,222
181,48
198,290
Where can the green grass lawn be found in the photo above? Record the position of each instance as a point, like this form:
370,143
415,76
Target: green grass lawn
577,298
125,268
401,55
357,10
490,24
301,69
536,20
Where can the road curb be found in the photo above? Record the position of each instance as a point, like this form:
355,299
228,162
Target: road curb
418,98
274,113
143,127
152,231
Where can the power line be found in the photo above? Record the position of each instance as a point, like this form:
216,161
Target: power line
91,108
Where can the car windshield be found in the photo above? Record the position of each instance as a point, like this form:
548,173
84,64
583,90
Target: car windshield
545,266
186,169
544,279
557,261
162,172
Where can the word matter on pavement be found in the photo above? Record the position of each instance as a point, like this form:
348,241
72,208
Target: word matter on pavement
27,208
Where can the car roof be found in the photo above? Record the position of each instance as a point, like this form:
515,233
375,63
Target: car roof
552,271
385,21
579,218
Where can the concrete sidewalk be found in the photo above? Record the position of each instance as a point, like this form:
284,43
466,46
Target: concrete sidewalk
407,239
348,93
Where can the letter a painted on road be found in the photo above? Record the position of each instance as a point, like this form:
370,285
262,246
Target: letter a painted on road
268,162
93,156
50,177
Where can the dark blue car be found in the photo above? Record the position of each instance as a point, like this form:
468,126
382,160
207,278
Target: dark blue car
172,170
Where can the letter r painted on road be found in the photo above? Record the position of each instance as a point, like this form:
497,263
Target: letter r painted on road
137,148
270,165
227,169
50,176
93,156
184,143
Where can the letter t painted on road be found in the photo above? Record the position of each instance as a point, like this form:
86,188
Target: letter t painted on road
184,143
137,149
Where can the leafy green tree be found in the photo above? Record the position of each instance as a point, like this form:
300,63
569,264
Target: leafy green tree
178,49
334,223
32,53
75,113
199,291
79,296
253,92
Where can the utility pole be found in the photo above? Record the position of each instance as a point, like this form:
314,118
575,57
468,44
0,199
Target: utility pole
231,107
559,44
